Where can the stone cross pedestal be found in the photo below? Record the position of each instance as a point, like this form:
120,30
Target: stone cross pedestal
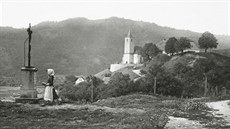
28,88
28,82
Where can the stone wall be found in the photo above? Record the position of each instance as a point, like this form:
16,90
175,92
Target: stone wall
115,67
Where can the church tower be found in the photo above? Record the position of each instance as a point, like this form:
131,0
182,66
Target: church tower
129,49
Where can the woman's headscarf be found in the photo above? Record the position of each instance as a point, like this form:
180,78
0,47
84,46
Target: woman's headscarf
50,72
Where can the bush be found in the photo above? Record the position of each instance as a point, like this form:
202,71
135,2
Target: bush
77,93
118,85
140,86
80,92
149,120
169,85
183,105
193,106
166,84
170,104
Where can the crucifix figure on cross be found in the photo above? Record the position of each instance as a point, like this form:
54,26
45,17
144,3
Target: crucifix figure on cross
29,31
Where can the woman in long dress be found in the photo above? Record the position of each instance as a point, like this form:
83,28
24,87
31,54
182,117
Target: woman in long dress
50,93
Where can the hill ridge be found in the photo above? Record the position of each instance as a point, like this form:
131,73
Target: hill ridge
81,46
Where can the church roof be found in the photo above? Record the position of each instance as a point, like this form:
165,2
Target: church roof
129,34
137,50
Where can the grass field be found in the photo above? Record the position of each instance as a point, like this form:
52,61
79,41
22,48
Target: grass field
131,112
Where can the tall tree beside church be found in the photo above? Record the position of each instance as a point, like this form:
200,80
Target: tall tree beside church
149,51
154,70
207,40
182,44
169,46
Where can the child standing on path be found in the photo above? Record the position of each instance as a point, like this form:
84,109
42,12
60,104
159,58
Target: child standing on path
50,93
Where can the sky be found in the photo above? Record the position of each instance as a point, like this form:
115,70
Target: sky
194,15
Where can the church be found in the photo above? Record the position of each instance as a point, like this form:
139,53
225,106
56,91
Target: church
131,57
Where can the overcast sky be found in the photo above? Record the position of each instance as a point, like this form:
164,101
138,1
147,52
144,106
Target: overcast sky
194,15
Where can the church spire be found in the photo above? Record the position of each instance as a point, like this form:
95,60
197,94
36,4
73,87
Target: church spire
129,34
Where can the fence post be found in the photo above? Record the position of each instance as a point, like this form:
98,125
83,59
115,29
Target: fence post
206,85
92,86
155,85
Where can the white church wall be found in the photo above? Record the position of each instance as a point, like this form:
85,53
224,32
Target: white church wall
136,59
115,67
127,58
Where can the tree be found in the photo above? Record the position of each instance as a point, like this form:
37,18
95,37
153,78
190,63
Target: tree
94,82
219,77
169,46
180,70
154,70
149,51
204,66
167,84
207,40
159,81
182,44
118,85
190,78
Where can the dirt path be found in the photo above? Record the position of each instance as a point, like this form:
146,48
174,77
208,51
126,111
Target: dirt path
183,123
221,109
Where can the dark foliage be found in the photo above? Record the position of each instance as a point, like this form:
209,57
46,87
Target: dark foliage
182,44
149,50
166,83
82,91
207,40
118,85
219,76
169,85
169,46
193,77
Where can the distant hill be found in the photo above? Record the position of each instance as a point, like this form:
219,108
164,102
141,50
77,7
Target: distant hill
81,46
